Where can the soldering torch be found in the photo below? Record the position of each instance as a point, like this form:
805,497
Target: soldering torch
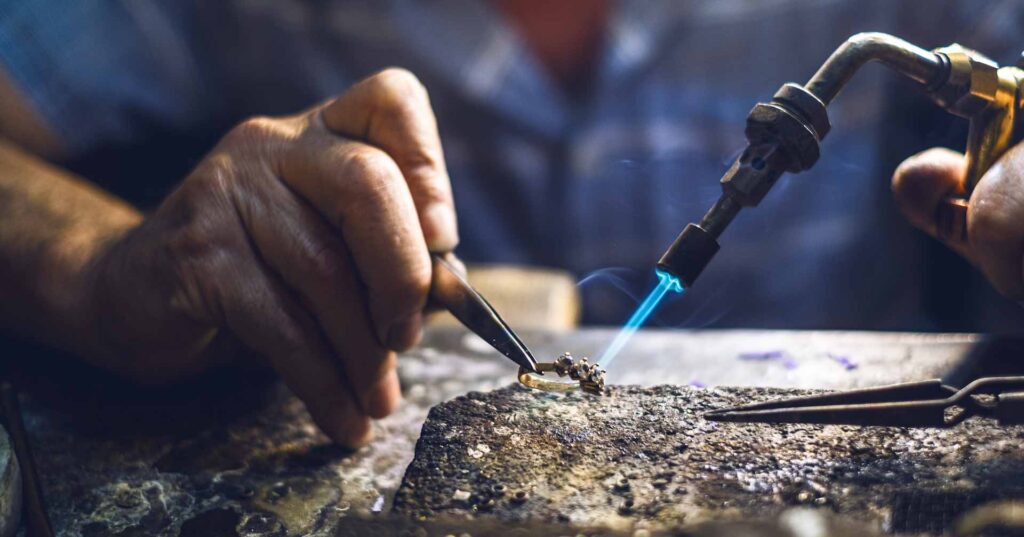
785,135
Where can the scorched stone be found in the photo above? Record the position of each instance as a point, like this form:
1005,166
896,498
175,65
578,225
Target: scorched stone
646,457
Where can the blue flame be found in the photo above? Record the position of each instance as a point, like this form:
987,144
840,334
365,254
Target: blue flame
666,283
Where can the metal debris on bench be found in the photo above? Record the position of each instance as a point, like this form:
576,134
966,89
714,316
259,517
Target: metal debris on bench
644,457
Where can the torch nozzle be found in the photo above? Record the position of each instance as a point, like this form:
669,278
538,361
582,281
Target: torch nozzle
697,244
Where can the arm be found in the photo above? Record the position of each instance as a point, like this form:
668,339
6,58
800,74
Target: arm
53,224
303,240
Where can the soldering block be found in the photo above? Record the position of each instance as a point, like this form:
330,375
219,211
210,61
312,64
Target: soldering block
645,457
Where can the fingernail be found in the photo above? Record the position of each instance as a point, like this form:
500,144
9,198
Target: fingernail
382,399
405,333
439,227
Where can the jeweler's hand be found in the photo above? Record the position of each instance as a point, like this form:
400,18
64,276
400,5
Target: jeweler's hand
995,217
302,238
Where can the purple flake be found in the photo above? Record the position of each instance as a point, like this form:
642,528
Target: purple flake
762,356
698,384
844,361
783,357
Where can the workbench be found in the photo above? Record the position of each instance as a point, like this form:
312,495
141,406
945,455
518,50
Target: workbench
236,454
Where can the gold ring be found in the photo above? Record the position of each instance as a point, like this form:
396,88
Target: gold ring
530,380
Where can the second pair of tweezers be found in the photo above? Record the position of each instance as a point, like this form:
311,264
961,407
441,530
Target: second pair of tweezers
927,403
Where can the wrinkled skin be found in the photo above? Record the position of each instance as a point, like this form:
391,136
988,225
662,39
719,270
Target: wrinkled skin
299,240
995,217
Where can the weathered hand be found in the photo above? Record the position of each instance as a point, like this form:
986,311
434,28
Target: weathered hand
304,239
995,217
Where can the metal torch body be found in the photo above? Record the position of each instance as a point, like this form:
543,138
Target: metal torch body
785,134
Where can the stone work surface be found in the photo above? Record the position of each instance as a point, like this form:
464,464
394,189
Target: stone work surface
796,522
237,455
234,456
644,457
10,487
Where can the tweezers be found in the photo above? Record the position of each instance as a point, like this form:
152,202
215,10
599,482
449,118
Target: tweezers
450,290
927,403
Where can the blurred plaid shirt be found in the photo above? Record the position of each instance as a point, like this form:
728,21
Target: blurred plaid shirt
596,184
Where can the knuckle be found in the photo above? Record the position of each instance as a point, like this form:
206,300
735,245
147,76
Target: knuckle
199,226
432,191
216,176
400,98
259,130
424,160
400,82
364,161
372,169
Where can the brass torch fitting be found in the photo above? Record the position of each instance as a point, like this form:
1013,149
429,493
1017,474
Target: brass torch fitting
990,97
973,81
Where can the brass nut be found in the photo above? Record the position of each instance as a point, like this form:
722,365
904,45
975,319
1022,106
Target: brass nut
973,81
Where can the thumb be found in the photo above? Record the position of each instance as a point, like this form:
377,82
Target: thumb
920,184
